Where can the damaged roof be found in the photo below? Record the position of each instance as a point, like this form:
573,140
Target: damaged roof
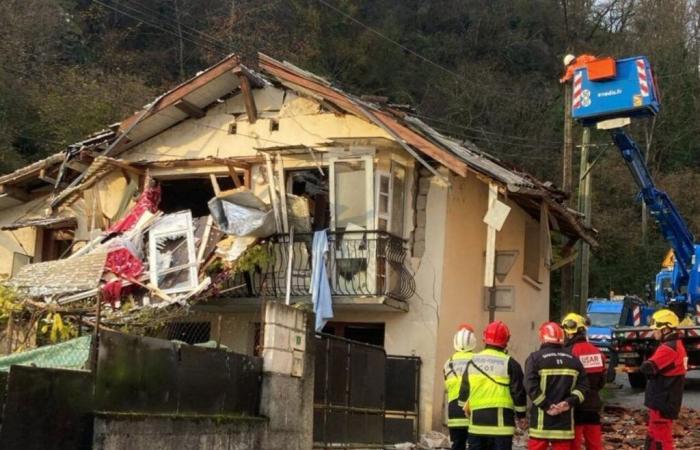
414,135
420,140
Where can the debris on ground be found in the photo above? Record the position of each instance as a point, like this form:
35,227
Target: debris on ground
625,428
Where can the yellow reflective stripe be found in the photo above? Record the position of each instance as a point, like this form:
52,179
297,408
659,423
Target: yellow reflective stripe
551,434
572,372
543,384
491,430
578,394
461,403
540,419
457,422
520,408
500,418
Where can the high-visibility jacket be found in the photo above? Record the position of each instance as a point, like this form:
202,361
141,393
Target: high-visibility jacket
666,370
553,375
492,390
453,372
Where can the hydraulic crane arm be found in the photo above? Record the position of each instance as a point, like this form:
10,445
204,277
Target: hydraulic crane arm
660,206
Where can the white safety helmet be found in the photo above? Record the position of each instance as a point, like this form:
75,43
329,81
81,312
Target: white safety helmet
464,340
568,59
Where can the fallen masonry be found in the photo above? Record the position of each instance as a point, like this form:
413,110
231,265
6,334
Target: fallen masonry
626,429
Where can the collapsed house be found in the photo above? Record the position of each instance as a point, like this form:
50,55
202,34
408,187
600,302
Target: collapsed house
208,201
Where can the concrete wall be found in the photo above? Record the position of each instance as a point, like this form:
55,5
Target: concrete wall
136,432
286,403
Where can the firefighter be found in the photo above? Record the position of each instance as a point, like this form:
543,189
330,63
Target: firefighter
492,393
666,371
587,415
464,342
556,383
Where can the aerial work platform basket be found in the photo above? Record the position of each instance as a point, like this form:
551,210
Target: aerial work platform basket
601,91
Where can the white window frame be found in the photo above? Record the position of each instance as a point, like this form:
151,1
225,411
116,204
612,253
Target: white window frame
369,188
182,225
378,185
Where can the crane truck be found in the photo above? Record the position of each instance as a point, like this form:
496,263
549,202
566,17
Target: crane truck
609,94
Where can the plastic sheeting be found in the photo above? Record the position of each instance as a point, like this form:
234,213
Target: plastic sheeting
241,213
72,354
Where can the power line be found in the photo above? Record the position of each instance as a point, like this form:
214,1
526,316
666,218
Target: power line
483,131
159,27
378,33
207,38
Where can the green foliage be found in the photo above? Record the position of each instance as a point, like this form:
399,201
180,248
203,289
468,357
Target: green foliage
9,302
255,257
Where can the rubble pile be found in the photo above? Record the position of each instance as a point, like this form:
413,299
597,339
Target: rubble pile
626,429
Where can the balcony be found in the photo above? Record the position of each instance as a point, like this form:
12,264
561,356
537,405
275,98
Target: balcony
365,268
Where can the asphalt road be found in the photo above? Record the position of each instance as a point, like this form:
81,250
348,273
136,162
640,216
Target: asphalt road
621,394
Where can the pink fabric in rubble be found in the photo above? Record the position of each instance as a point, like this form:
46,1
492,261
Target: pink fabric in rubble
148,201
123,264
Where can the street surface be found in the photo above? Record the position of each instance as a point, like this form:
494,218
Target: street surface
627,397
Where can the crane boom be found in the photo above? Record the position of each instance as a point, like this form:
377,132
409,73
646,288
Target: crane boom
661,207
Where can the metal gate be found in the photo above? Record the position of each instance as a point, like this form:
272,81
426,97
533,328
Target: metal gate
362,397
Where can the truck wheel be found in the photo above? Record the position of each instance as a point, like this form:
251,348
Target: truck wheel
637,380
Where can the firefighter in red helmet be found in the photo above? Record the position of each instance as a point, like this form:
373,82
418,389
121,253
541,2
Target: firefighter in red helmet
556,382
492,393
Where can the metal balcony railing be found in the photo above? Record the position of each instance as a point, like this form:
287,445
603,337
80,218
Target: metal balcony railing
360,263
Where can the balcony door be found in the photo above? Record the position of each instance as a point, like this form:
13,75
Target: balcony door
354,254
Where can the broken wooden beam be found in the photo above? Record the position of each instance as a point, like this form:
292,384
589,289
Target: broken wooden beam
15,192
190,109
246,90
43,176
125,166
234,176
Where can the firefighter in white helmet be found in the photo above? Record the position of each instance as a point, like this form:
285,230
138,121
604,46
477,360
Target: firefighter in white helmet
464,342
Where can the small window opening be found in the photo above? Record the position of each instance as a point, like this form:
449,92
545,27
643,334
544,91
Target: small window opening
56,243
368,333
232,128
274,125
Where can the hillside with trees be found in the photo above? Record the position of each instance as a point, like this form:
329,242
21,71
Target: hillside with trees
482,70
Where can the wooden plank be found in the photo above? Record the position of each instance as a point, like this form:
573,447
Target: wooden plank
43,176
125,166
234,176
248,99
246,177
215,184
190,109
15,192
490,265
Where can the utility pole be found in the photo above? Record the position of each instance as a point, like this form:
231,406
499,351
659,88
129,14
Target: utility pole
584,205
567,272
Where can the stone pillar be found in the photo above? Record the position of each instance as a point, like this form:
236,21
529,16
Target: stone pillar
287,398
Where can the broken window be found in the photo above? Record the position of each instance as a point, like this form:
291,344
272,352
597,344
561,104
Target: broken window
190,193
531,263
312,185
172,260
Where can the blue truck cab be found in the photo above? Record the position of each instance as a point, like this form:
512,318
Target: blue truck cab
604,315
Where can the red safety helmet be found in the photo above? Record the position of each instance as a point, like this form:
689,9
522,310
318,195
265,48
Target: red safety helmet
497,334
551,333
